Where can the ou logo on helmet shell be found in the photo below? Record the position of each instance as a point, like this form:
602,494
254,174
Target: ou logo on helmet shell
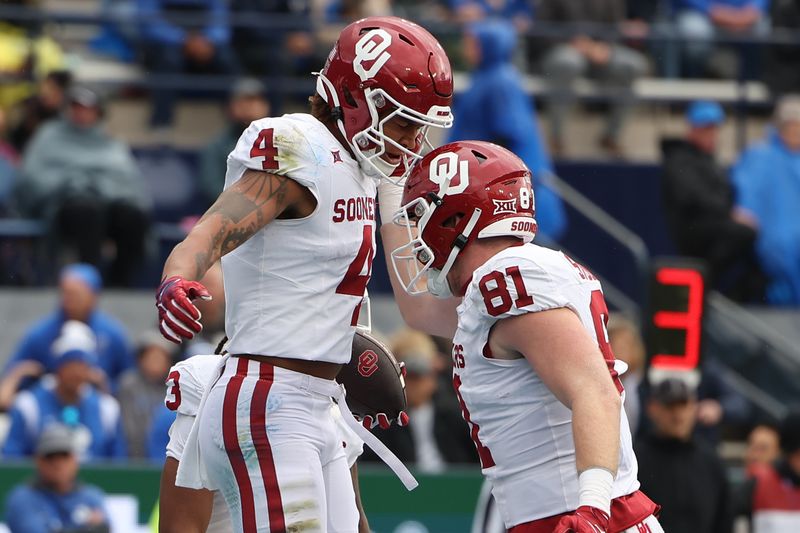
444,168
372,47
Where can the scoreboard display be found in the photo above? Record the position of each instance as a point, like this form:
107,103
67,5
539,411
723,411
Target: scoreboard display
674,318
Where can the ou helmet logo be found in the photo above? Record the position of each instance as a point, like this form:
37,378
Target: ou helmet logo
372,47
444,168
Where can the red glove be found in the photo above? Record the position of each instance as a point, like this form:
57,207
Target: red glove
382,419
178,318
585,519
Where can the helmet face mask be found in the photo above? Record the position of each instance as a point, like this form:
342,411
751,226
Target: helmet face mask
379,62
413,260
370,145
458,193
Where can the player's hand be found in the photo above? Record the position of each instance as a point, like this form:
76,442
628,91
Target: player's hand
585,519
178,317
382,420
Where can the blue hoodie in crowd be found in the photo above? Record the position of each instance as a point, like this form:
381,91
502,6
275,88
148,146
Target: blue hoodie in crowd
767,181
496,108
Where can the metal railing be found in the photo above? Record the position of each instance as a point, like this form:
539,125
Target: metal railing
757,359
617,231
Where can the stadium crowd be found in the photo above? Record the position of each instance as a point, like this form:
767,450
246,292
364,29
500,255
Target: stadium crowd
79,387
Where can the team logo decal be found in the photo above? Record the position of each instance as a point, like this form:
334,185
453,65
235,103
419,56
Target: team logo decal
444,168
367,363
505,206
372,47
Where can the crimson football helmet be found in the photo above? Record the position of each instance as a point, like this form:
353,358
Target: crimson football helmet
459,192
379,68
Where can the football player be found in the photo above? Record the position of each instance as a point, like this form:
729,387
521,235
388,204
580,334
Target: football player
295,228
532,366
196,511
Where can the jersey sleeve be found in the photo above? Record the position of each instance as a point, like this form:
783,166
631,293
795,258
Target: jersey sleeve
278,146
186,383
513,285
178,435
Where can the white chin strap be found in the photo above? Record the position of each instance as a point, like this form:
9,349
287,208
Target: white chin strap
324,88
438,285
437,279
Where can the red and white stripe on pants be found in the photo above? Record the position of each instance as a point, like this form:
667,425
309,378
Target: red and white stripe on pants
271,447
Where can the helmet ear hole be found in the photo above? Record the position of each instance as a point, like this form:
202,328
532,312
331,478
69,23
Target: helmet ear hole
405,39
452,221
479,156
348,97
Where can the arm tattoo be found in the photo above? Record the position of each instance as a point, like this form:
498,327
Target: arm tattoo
247,197
249,194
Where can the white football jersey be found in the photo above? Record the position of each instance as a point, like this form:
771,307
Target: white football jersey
186,385
522,432
294,289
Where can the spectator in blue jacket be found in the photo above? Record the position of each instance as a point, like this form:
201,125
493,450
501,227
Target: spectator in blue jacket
699,21
767,179
54,500
80,287
496,108
184,36
68,398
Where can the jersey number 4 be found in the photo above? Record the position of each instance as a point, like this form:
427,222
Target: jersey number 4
264,146
354,282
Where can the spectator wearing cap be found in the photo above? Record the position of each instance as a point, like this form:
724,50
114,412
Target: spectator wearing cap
67,397
435,436
80,286
247,102
55,500
699,204
679,472
87,187
141,389
767,181
774,488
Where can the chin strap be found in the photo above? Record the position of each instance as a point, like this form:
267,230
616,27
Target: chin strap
459,244
325,87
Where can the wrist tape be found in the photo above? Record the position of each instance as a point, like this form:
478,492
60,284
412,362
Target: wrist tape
594,486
